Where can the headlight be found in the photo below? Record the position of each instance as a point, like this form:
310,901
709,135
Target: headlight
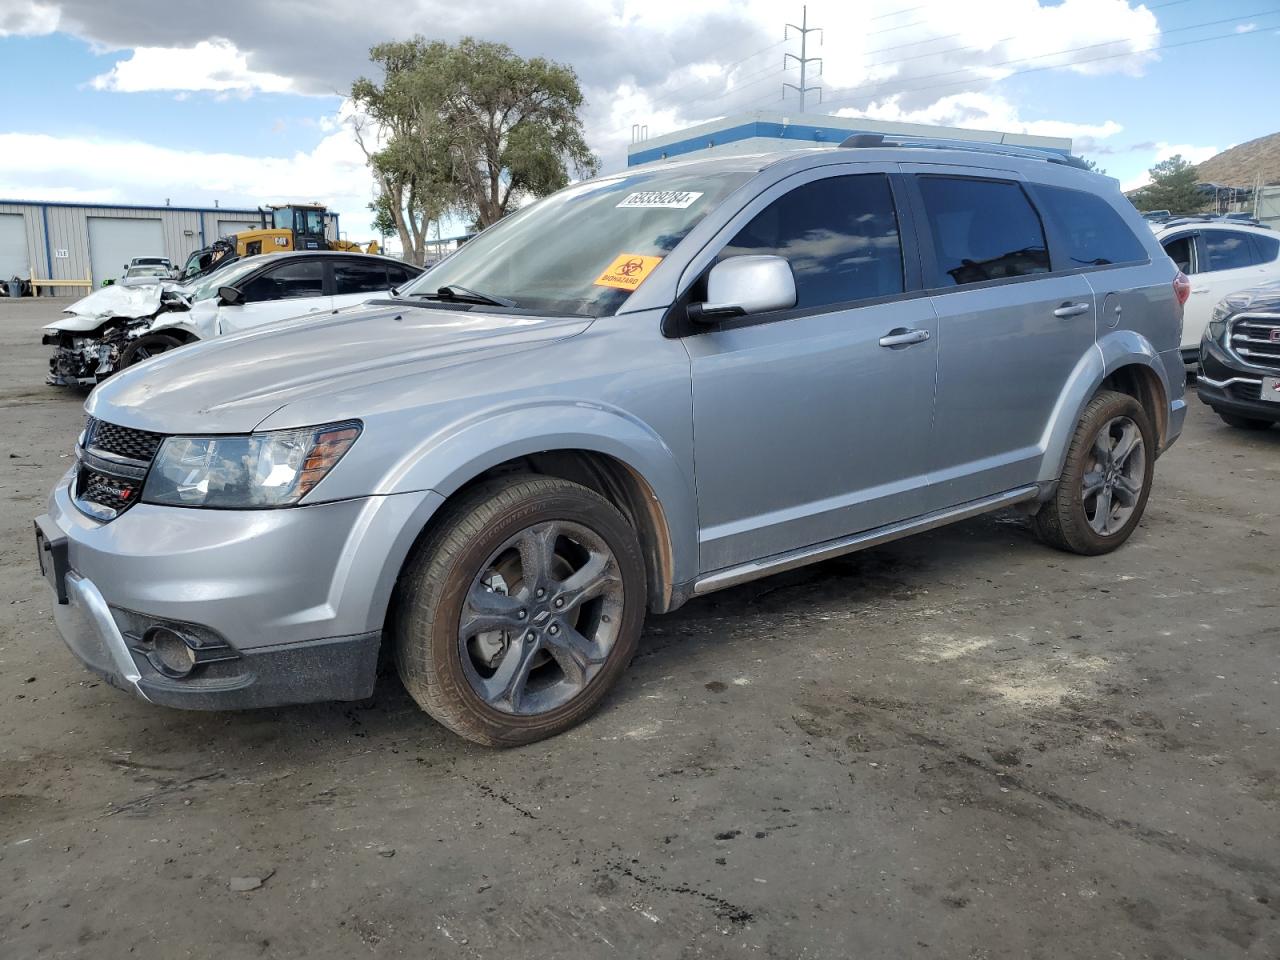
275,469
1218,323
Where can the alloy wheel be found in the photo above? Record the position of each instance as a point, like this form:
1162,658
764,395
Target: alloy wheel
1112,483
540,618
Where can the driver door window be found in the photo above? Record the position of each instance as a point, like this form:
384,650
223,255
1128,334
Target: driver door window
840,236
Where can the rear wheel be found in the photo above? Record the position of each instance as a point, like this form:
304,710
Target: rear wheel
520,610
1106,480
1244,423
147,346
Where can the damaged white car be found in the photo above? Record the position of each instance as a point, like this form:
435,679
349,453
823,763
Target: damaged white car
118,326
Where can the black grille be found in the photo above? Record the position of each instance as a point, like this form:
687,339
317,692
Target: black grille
122,441
1257,340
1245,391
106,491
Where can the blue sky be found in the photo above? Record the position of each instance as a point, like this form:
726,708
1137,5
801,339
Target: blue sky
140,100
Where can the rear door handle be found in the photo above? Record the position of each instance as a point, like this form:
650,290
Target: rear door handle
1068,310
901,337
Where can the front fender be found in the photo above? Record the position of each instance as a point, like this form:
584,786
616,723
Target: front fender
448,459
1119,348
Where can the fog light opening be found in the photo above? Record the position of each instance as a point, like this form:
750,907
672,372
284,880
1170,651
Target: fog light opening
170,652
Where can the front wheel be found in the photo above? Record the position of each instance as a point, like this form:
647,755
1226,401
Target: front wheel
147,346
520,610
1106,480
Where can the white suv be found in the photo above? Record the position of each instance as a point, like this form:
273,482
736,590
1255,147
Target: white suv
1221,258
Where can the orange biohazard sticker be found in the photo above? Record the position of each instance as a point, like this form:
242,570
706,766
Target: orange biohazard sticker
627,271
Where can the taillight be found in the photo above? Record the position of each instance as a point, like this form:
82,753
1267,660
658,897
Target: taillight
1181,288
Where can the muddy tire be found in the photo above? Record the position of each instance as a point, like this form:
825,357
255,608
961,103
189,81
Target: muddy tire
519,609
147,346
1243,423
1106,480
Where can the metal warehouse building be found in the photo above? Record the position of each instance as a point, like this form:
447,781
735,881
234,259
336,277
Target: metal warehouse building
75,241
763,131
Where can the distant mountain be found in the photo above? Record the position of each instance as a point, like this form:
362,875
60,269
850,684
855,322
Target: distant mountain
1243,164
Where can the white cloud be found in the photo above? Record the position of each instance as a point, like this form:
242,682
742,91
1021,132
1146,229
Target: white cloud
983,111
108,170
27,18
213,65
1246,28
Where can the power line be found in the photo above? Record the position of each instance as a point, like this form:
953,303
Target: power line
1051,66
804,60
727,69
1058,53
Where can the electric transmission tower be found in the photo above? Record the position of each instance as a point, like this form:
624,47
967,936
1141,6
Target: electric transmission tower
804,59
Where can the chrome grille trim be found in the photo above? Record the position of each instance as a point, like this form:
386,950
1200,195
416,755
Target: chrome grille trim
1250,340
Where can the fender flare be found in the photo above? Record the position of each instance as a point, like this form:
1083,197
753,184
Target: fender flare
1119,348
448,459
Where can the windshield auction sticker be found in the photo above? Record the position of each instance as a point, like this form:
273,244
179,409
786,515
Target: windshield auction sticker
627,271
660,199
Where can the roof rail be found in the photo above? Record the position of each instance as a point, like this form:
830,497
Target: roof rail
866,139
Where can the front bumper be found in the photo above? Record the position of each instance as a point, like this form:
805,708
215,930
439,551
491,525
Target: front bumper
291,601
1229,386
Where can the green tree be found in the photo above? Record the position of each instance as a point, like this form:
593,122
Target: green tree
468,128
1172,187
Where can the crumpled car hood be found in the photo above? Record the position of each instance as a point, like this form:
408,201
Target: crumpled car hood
117,300
1264,297
232,383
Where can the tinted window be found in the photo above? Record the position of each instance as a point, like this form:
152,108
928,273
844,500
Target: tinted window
1265,249
288,281
1226,250
401,275
1094,233
352,276
1179,251
982,230
840,236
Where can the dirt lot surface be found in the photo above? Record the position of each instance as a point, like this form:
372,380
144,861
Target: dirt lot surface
962,745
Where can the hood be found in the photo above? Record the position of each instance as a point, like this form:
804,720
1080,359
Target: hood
1262,298
232,383
131,302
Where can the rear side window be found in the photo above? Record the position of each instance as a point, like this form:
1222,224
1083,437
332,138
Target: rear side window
288,281
839,234
1226,250
1094,233
982,230
1265,248
353,276
1179,251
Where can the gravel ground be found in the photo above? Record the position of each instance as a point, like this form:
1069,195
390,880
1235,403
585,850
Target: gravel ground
961,745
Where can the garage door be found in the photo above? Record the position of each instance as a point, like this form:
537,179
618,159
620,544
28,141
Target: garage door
227,227
13,247
114,241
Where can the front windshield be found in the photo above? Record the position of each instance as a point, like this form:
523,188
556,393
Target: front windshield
585,249
209,284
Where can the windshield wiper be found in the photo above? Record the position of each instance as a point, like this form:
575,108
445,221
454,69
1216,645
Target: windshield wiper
462,295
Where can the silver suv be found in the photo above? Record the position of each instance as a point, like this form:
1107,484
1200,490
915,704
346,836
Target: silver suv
641,389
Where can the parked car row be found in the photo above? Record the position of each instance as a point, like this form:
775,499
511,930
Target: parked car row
1221,257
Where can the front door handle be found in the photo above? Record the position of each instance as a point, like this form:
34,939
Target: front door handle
1199,289
1068,310
902,337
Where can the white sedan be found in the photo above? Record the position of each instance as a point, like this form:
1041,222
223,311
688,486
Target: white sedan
117,326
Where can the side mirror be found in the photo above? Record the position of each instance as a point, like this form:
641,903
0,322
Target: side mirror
230,296
740,286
